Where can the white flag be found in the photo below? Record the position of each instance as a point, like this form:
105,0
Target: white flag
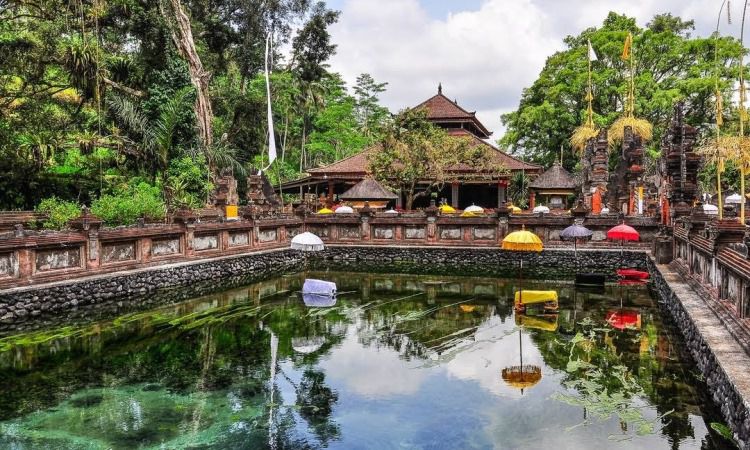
271,138
592,53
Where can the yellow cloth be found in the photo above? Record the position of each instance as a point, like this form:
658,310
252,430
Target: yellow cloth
533,297
468,214
447,209
325,211
522,241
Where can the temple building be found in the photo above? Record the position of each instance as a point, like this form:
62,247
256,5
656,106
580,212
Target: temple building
469,186
553,188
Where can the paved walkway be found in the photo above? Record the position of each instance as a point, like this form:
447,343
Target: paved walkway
726,340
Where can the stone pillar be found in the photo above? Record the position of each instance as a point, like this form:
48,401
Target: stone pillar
501,187
365,214
187,219
89,225
431,213
454,194
25,263
503,214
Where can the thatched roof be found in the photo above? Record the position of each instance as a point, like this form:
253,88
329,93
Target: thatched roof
556,177
368,189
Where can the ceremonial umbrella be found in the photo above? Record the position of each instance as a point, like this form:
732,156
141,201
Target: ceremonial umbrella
623,233
576,232
474,209
541,209
344,210
522,241
710,209
307,242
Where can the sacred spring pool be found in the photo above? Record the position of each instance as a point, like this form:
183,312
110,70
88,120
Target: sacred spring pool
399,361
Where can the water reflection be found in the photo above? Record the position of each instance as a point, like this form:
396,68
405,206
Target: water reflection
395,361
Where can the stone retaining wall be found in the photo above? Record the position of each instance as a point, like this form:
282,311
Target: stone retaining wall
478,261
722,362
101,296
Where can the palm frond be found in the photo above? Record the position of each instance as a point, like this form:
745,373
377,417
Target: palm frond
640,127
224,156
128,113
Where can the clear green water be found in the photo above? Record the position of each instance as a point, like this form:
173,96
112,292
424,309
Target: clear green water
400,362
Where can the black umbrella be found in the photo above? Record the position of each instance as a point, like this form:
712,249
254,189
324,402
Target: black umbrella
576,232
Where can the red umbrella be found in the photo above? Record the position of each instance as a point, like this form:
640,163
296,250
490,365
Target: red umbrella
623,233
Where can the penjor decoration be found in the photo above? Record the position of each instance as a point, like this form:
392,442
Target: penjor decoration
640,127
588,130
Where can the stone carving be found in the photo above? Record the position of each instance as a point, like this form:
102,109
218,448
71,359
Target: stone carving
165,247
58,259
383,233
118,251
239,238
450,233
206,242
414,232
267,235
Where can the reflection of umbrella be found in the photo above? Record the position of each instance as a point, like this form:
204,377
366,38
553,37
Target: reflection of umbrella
522,241
468,308
307,242
521,376
474,209
319,301
307,345
344,210
540,209
576,232
623,233
325,211
624,319
447,209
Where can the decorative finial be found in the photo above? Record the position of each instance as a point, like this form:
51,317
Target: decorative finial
440,88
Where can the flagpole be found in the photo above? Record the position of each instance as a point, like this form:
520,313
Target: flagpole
271,137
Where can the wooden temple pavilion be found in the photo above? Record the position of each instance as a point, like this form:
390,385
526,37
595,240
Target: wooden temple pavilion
469,187
556,184
370,191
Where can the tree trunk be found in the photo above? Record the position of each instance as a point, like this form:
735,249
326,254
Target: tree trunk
182,35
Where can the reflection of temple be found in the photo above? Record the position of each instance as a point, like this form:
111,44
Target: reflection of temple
468,186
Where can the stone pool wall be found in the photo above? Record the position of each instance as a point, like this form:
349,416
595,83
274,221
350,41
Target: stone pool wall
478,261
101,296
717,354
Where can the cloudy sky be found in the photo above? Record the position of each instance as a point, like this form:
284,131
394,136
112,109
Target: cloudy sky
483,51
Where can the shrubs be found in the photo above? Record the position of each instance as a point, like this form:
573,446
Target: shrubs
128,205
59,212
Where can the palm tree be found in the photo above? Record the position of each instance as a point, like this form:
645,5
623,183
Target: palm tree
309,100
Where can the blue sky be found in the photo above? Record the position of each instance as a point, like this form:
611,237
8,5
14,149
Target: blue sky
483,51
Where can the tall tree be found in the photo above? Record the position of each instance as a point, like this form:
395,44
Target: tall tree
370,113
670,66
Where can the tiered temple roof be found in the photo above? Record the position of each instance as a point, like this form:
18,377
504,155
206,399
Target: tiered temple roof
556,178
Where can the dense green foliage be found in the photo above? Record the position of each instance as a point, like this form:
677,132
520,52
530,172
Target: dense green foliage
58,212
94,94
671,66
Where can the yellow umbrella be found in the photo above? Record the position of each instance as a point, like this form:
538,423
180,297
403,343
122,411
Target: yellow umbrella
522,241
447,209
325,211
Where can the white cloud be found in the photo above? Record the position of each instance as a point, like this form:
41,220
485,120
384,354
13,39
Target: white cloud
485,57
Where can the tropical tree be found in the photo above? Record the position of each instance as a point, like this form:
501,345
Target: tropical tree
670,65
415,157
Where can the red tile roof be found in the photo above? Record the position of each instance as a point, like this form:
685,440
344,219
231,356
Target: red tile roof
357,164
441,109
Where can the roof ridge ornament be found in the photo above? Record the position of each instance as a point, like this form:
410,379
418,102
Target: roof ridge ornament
440,88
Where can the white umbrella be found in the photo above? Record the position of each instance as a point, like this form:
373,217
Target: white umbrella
605,210
307,242
475,209
391,211
734,199
710,209
344,210
541,209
